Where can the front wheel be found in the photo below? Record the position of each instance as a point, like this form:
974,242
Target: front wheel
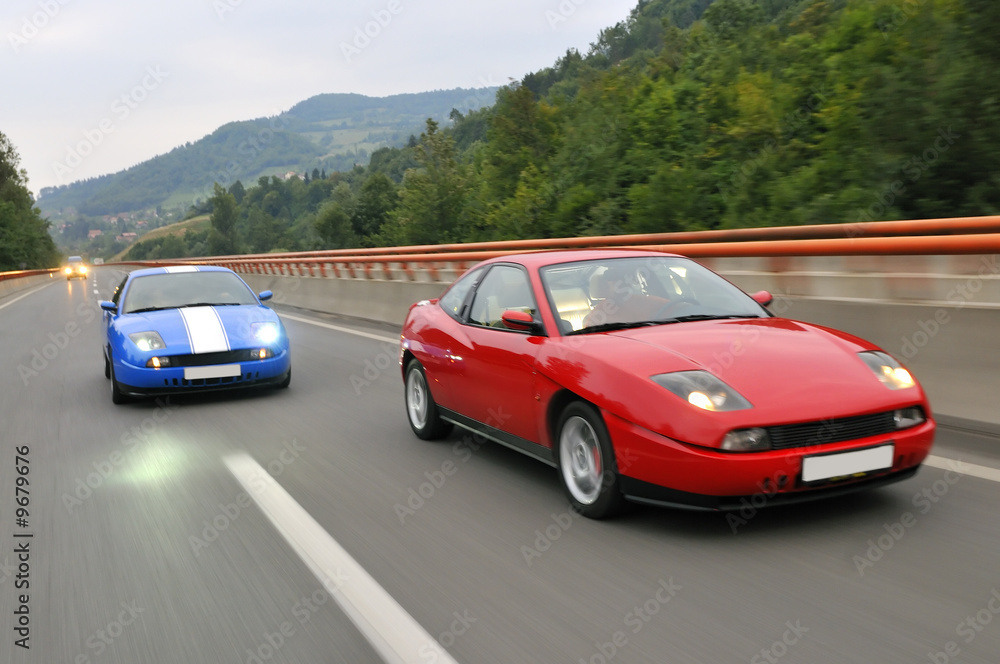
421,411
587,462
117,396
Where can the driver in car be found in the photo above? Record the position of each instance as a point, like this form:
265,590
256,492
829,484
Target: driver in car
620,298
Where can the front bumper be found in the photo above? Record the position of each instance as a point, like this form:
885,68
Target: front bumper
142,381
656,469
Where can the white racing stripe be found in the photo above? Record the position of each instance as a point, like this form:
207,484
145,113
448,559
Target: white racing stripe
205,330
391,631
181,268
963,468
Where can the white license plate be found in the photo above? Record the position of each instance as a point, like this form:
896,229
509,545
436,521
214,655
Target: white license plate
214,371
846,464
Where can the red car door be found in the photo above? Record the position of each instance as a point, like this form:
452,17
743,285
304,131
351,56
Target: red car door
496,385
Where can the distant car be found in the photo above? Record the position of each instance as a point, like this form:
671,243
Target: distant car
190,328
647,377
75,268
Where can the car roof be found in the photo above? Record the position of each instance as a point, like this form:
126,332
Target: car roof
73,259
178,269
542,258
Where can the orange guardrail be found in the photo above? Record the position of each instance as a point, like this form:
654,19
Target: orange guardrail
965,235
17,274
919,227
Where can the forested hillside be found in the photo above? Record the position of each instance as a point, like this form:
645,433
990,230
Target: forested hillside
328,132
689,115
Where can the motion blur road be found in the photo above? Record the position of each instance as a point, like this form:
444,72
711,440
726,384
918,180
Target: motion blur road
147,548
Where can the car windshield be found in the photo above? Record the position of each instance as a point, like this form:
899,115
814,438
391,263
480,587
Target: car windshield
185,289
617,293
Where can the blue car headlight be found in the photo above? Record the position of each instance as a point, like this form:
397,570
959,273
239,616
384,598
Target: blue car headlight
147,340
702,389
265,333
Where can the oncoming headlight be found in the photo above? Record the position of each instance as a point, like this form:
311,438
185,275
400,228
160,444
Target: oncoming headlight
889,372
147,340
265,333
702,389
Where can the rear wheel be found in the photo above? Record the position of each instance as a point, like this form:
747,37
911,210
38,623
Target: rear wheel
421,411
587,462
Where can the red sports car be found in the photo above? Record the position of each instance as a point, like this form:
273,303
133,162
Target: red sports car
647,377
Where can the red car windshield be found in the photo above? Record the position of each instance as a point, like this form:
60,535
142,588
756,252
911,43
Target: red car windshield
601,294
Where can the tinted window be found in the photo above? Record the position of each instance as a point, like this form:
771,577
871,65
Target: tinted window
504,288
453,300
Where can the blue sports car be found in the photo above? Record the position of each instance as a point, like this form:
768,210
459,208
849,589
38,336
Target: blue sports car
191,328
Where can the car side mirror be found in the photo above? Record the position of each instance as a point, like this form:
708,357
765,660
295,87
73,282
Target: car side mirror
108,305
265,295
763,298
520,321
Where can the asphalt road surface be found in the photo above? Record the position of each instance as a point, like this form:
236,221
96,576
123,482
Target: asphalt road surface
146,546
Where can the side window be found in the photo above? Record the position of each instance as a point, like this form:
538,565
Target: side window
118,291
504,288
453,300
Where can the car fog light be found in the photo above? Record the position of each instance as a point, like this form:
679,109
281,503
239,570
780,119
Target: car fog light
261,353
908,417
158,362
746,440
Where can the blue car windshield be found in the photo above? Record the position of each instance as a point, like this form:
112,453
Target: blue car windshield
185,289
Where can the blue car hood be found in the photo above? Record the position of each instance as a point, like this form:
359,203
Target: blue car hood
200,329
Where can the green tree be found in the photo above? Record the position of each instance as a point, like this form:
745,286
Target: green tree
24,236
222,240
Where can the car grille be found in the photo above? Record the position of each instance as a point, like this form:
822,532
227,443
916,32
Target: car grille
834,430
206,359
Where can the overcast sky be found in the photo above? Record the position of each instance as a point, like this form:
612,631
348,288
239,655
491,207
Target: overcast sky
95,86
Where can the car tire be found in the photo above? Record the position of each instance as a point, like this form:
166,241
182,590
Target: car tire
421,411
586,462
107,366
288,380
117,396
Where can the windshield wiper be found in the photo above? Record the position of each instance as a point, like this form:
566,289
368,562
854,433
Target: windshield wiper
208,304
691,317
607,327
145,309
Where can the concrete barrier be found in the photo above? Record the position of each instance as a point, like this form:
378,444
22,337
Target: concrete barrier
12,286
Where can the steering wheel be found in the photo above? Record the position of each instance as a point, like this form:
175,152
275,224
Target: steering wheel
662,311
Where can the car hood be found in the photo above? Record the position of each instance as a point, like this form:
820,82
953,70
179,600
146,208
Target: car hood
790,371
199,329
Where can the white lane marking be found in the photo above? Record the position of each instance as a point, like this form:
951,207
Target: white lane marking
974,470
204,329
21,297
391,631
338,328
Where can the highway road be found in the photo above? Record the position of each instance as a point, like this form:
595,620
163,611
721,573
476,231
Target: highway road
146,547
